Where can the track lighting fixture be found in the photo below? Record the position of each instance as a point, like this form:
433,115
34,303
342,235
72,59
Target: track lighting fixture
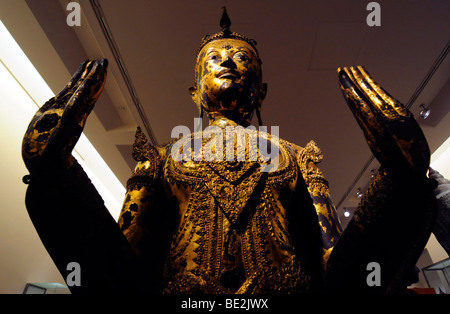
359,194
425,112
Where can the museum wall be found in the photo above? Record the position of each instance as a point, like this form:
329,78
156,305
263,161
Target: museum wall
23,258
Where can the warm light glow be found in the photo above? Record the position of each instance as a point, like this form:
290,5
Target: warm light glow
25,91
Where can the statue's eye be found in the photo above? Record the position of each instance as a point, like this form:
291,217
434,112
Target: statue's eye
212,57
241,56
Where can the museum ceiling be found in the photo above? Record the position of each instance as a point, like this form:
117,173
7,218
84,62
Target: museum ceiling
151,48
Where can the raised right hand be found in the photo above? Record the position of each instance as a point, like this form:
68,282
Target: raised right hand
57,125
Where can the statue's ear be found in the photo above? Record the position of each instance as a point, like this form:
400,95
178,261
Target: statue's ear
263,92
262,95
193,92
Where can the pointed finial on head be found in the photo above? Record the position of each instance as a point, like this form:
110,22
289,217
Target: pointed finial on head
225,24
225,21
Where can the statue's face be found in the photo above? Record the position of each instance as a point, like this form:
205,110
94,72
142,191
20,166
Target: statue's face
228,82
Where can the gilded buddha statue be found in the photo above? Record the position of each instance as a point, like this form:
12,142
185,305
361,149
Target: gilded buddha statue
190,224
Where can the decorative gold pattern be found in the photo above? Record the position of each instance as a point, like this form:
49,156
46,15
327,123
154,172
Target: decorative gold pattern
140,191
308,158
233,232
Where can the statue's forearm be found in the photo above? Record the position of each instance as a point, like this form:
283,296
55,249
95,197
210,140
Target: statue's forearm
75,226
391,227
68,213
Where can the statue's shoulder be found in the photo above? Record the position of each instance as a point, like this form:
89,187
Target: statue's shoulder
310,153
149,160
144,151
308,158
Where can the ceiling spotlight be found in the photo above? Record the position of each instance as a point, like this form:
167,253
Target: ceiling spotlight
359,193
347,213
373,174
425,112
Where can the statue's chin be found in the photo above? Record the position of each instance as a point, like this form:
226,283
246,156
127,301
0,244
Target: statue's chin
231,101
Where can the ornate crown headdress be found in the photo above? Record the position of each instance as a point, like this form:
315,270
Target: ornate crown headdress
225,24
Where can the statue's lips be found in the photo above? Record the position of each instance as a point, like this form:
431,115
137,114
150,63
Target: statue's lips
228,74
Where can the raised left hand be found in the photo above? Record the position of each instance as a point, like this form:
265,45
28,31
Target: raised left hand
393,135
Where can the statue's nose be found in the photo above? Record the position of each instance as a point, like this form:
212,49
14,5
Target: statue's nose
228,63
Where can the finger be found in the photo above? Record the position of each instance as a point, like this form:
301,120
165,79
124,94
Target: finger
73,81
382,108
383,94
394,143
88,90
395,105
85,71
90,87
96,78
355,98
361,108
64,95
366,88
378,104
56,127
80,105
